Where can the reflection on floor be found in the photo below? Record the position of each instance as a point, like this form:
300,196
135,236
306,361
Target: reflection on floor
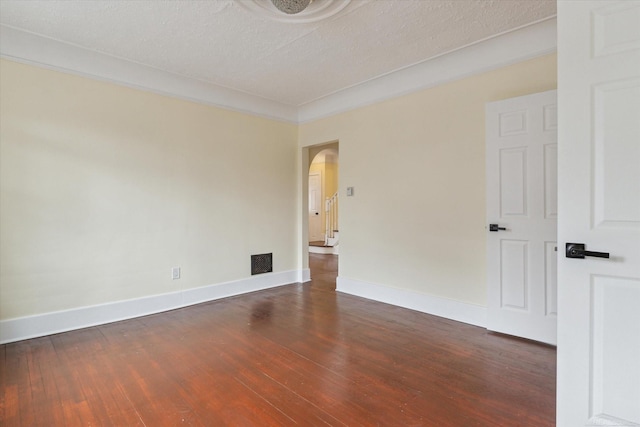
301,354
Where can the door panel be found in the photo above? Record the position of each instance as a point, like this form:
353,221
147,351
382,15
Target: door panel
618,160
551,278
616,320
550,116
513,123
599,205
551,181
521,197
513,182
316,210
513,272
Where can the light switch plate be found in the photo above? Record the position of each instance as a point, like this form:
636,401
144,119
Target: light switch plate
349,191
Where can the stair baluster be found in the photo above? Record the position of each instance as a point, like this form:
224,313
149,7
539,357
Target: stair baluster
331,223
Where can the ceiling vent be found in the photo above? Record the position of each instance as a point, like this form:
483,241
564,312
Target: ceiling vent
295,11
291,7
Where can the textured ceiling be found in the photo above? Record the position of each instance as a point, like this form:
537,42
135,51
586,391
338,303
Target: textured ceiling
224,43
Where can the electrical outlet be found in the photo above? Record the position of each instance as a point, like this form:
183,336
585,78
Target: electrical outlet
175,273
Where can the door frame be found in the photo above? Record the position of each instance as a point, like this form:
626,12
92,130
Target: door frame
307,153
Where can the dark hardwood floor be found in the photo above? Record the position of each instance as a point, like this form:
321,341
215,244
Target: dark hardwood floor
295,355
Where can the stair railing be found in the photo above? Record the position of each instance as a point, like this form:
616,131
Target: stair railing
331,217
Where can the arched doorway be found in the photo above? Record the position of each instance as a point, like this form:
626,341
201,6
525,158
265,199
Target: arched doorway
323,199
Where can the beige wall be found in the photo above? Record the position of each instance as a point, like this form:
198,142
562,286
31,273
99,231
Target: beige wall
331,180
103,189
417,220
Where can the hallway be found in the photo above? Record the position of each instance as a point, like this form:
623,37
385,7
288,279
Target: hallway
324,270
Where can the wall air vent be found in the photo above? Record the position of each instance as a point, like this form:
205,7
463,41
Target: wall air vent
262,263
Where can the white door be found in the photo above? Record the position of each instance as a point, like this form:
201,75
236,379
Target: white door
521,152
315,207
599,206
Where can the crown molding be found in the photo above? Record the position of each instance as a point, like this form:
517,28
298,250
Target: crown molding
21,46
505,49
508,48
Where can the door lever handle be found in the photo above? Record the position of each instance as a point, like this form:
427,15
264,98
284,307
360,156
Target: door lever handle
494,227
577,250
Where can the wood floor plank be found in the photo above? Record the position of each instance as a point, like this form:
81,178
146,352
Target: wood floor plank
293,355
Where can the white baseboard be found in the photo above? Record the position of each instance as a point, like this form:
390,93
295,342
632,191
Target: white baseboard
326,250
442,307
77,318
304,275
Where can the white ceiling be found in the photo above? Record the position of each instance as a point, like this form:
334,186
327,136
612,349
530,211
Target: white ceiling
222,43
